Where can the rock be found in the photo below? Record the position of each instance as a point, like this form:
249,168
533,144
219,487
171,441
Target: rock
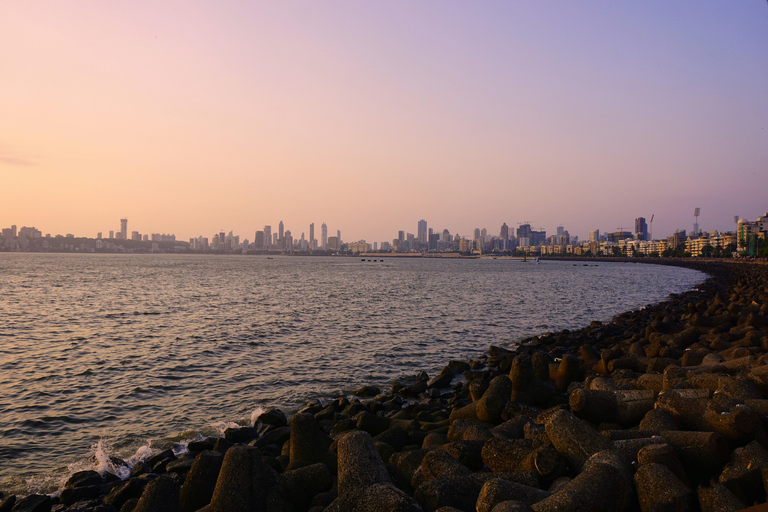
604,485
130,489
359,463
439,464
33,503
84,478
511,506
375,498
274,417
718,497
197,490
241,435
659,489
396,437
408,461
658,420
574,439
159,461
246,483
6,504
309,444
490,406
303,484
458,492
160,495
501,455
497,490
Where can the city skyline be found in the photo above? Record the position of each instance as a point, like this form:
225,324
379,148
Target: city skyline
368,117
527,231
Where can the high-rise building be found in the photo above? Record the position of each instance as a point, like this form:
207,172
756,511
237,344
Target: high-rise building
594,236
267,237
401,237
422,232
312,236
641,229
324,236
338,236
280,232
111,234
504,233
560,230
124,228
259,240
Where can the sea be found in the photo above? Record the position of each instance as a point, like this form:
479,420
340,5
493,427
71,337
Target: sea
110,355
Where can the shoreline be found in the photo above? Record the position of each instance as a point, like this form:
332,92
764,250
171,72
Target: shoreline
532,405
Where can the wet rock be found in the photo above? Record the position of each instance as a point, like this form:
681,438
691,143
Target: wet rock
273,417
241,435
7,503
33,503
84,478
130,489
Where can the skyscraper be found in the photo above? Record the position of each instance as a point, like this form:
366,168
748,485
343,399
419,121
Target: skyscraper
124,228
280,234
311,236
641,229
324,236
338,236
422,232
267,236
504,234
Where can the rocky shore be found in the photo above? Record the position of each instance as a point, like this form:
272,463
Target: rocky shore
664,408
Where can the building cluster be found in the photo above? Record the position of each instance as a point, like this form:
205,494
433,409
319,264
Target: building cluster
265,240
750,238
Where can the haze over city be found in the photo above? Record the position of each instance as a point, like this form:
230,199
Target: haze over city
191,118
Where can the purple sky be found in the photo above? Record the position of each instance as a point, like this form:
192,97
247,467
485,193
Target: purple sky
191,117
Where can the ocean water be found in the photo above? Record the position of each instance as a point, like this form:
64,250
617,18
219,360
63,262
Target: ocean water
127,354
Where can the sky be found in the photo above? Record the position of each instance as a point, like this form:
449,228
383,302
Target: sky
195,117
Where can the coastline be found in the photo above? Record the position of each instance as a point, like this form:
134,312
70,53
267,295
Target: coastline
532,405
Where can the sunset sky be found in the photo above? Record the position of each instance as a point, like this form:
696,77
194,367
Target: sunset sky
193,117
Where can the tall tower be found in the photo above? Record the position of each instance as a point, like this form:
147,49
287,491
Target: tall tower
267,236
280,231
324,236
422,231
641,229
311,236
124,228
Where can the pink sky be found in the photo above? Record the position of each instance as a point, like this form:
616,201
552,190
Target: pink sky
192,117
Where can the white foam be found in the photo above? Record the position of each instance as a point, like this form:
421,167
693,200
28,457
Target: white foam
255,415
